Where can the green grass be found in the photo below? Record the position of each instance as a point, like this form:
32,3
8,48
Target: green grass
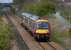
62,38
6,35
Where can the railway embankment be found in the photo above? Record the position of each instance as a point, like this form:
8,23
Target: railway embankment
60,33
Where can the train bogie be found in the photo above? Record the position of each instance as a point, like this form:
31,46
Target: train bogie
42,37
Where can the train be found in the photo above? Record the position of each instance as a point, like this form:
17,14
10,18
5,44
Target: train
39,27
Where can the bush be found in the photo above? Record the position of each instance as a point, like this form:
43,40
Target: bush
5,36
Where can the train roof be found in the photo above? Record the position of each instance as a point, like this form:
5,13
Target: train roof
27,14
33,17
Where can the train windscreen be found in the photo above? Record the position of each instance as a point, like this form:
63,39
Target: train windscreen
42,25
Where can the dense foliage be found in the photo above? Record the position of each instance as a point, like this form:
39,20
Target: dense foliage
41,8
6,35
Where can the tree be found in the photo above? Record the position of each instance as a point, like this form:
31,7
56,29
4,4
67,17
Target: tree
42,9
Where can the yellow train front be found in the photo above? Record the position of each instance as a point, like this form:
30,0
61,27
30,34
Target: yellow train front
42,30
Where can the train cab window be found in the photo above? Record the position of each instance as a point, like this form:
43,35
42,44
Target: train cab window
42,25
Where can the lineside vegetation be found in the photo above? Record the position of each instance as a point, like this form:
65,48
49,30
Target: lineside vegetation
6,35
41,8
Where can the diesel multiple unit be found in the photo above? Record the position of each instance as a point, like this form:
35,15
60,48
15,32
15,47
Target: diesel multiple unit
39,27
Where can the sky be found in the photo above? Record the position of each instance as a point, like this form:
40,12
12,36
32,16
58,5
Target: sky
6,1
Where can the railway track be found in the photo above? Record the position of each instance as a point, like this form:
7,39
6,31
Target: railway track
31,43
47,46
43,45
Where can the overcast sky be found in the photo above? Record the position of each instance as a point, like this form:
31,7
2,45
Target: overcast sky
6,1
